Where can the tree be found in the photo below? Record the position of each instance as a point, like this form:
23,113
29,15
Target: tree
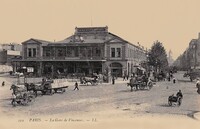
158,57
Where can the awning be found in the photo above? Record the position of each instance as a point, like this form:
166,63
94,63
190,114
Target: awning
141,68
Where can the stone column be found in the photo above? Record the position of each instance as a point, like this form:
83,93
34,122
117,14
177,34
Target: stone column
39,69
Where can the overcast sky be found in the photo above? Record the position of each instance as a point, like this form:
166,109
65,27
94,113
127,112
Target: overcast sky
172,22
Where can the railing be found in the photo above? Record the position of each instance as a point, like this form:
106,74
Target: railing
74,58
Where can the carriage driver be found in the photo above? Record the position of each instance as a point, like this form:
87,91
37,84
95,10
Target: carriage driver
198,83
133,81
179,93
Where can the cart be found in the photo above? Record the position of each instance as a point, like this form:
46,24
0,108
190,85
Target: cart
140,85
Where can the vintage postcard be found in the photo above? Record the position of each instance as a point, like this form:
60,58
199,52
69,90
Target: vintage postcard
99,64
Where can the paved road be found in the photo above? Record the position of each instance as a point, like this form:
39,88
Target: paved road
109,101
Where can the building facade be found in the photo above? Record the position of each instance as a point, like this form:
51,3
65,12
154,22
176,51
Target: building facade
190,59
89,50
9,52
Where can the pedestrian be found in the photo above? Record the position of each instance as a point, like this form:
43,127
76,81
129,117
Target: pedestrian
124,78
113,80
76,86
169,78
127,77
198,83
132,82
13,99
136,82
174,80
3,83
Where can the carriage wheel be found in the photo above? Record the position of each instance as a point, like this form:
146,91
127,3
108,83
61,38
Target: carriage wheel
131,88
13,103
150,86
35,94
31,99
44,92
51,91
141,87
170,103
198,91
24,102
92,83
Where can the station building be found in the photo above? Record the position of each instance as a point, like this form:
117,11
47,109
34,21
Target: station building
89,50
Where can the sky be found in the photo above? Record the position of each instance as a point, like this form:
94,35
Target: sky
172,22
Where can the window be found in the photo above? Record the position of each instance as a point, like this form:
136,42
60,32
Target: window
29,52
72,52
89,52
98,52
60,52
34,52
118,52
48,53
112,52
83,51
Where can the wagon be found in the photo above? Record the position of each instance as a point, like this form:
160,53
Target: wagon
141,85
86,80
46,88
21,96
174,99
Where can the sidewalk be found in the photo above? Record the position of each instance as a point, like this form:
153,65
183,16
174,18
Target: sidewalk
197,115
120,80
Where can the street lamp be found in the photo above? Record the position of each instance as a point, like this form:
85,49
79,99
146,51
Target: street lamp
24,72
156,62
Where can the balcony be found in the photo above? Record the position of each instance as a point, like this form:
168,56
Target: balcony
63,58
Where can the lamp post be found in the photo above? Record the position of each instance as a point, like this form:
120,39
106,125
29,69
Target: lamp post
147,63
156,63
24,72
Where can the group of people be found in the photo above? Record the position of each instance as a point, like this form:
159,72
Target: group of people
135,79
125,77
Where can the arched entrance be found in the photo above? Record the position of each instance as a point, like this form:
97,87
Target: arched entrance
116,69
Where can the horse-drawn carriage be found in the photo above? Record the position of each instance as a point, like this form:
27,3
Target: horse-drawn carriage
175,99
91,80
24,94
21,96
140,83
46,87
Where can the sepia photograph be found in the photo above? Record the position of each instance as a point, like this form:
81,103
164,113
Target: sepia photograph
99,64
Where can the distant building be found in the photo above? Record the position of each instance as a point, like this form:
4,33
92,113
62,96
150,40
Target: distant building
190,59
89,50
9,52
11,46
169,58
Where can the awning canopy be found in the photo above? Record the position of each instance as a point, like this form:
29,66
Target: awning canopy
141,68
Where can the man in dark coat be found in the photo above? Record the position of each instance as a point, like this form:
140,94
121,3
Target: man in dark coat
76,86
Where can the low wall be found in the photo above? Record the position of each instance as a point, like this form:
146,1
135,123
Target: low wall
5,68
